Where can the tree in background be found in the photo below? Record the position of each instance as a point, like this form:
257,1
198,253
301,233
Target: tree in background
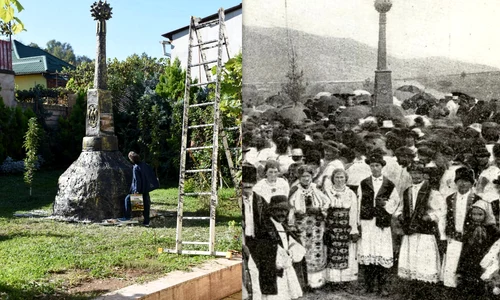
9,23
13,125
60,50
71,131
294,87
81,59
31,143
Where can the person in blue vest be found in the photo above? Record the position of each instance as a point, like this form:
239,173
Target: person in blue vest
142,183
378,200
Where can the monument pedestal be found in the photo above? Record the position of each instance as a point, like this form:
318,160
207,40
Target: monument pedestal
383,87
94,187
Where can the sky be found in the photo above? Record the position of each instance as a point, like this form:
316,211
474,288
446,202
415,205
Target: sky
135,26
467,30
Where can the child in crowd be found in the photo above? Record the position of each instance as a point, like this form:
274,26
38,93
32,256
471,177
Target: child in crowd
479,234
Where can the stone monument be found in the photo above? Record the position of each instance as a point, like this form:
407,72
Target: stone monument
95,185
383,81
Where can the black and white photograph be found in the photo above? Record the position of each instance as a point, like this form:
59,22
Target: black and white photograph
371,155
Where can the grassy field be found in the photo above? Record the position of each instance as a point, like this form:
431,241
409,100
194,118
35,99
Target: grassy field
46,259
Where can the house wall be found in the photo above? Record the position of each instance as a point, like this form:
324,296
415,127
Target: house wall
25,82
180,42
7,92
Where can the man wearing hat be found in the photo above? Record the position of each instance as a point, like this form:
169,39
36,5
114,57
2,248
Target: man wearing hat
458,205
251,286
277,249
378,200
485,186
420,214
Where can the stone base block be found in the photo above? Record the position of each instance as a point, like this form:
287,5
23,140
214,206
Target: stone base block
94,186
100,143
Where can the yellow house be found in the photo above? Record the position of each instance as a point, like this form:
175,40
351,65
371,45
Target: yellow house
34,66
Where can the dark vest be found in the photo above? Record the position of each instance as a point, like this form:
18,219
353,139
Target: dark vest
450,214
495,206
369,208
412,218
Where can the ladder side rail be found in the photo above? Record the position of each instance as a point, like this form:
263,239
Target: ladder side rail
203,55
214,198
184,138
223,132
224,32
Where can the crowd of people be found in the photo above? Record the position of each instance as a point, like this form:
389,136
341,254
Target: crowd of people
327,204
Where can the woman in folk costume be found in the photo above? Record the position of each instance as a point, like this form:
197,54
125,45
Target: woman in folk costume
267,187
307,216
342,231
421,215
457,204
276,251
479,234
331,162
378,200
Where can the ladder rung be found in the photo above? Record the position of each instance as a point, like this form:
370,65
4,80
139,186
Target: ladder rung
197,194
202,104
204,43
211,47
209,23
232,128
200,126
195,252
195,243
199,171
196,218
200,148
203,63
203,83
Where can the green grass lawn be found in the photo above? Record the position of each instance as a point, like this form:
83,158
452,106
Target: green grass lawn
42,258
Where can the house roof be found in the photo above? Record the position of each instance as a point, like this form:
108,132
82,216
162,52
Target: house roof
170,34
32,60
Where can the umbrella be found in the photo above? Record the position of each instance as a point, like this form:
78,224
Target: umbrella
462,95
412,102
294,114
264,107
402,96
361,92
409,88
318,95
276,100
355,112
388,112
326,104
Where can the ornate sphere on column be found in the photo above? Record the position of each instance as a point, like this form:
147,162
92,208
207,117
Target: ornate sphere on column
383,6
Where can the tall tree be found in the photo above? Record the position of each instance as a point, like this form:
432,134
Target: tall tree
31,143
82,58
9,24
34,45
294,87
63,51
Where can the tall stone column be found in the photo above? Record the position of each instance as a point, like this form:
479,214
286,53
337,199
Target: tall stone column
383,81
95,185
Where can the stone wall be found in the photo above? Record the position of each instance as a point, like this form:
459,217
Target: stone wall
7,92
